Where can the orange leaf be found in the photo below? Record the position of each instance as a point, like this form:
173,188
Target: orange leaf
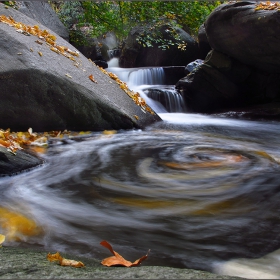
117,259
92,78
62,261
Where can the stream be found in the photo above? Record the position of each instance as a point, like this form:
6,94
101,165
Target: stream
200,191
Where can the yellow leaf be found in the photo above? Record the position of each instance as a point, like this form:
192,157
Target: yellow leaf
109,132
17,226
62,261
2,239
40,53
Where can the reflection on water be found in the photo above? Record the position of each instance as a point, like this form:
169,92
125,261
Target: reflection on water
197,191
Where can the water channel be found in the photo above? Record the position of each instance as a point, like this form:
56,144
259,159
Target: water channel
201,192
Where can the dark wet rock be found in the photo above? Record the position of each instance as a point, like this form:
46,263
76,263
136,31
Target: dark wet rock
268,111
203,43
249,36
48,91
135,55
94,48
223,82
206,89
11,164
101,63
22,263
42,12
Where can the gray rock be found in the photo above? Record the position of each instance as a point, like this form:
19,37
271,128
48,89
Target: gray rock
48,91
42,12
30,264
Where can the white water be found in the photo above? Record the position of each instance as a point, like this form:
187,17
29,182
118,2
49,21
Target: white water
142,79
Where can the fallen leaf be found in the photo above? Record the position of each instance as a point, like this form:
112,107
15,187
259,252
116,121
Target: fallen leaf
92,78
69,76
2,239
109,132
40,53
62,261
16,226
117,259
39,42
136,117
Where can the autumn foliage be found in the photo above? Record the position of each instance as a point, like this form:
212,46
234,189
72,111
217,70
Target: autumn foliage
268,5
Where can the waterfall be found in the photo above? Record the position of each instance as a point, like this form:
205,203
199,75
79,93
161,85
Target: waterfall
150,83
168,97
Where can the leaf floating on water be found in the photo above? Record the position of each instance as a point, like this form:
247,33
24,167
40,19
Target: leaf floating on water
117,259
62,261
2,239
109,132
92,78
16,226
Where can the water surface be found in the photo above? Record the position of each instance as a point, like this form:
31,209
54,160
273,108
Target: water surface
196,190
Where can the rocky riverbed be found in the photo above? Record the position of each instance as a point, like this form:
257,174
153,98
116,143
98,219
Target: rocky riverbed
31,264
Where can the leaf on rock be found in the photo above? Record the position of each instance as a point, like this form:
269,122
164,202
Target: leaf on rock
117,259
62,261
92,78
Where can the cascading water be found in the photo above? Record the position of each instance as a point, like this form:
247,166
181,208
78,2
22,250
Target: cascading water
150,83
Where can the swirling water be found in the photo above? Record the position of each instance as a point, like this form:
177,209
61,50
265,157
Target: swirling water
196,190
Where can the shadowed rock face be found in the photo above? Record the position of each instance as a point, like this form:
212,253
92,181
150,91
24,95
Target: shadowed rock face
135,55
48,91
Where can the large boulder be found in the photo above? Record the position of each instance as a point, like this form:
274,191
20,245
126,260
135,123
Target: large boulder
251,36
42,12
223,82
136,55
46,90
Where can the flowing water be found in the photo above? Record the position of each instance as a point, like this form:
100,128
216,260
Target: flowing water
194,189
199,191
150,83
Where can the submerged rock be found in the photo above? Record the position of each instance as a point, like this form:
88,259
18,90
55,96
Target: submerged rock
45,90
11,164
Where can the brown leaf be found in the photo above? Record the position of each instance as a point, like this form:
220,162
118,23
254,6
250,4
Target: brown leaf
117,259
92,78
62,261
